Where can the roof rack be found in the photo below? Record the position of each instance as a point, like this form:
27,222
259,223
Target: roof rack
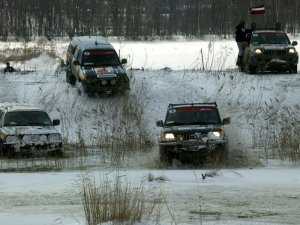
212,104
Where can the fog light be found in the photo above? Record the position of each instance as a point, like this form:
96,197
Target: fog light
104,82
113,82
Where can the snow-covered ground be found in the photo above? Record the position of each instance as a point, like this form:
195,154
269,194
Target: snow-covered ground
258,196
209,54
254,103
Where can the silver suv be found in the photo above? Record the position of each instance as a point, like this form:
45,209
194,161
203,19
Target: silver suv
27,130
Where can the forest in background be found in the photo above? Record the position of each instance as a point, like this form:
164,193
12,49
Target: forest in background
138,19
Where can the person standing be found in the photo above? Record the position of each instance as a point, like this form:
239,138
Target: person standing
9,68
241,40
249,32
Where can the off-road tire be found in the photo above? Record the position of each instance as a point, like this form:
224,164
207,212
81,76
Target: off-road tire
165,156
294,69
70,78
219,156
251,69
87,89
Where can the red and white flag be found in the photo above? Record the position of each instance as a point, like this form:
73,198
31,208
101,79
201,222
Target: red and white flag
258,10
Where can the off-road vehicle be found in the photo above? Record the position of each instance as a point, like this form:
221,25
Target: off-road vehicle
192,131
27,130
270,51
94,62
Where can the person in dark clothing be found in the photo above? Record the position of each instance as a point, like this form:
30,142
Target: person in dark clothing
9,68
240,38
249,32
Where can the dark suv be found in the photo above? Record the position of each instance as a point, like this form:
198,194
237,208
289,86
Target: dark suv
270,50
190,130
94,62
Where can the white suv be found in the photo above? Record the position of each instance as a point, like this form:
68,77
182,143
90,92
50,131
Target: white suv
27,130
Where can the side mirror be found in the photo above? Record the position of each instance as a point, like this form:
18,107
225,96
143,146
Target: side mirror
226,121
124,61
159,123
294,43
56,122
76,63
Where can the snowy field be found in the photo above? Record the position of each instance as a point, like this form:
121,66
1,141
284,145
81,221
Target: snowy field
257,104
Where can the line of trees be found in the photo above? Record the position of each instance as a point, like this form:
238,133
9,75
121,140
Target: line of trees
137,19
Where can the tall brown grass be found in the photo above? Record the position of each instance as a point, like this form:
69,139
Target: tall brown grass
114,200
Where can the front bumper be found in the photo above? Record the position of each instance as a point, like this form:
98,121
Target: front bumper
32,148
115,83
193,145
273,63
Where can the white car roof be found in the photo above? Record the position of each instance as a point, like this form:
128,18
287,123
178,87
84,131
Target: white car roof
9,107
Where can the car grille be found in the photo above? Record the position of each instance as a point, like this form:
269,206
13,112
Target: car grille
275,53
189,136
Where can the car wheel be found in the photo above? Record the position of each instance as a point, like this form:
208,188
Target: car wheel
70,78
252,69
219,156
294,69
87,89
165,156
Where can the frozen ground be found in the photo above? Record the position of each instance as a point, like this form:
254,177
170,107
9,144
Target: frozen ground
239,196
258,196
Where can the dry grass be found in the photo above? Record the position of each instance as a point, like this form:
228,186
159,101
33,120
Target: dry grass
278,134
114,200
289,144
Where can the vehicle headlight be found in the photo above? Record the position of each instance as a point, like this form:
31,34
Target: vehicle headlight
258,51
55,138
11,139
169,137
215,134
292,51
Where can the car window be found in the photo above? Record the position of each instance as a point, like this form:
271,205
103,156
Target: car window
272,38
193,116
27,118
100,58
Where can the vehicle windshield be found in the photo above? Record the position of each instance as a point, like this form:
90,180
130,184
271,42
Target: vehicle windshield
192,116
100,58
271,38
27,118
